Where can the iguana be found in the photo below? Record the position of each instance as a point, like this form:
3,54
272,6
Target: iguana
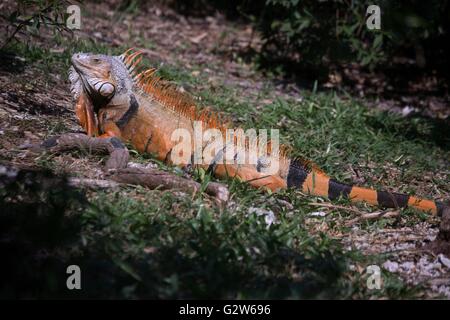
114,98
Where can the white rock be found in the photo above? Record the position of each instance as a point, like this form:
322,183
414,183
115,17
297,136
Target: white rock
444,260
318,214
269,216
407,266
391,266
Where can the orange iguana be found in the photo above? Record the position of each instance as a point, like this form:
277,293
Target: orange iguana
113,99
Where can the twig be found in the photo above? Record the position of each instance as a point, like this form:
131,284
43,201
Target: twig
373,216
362,215
332,206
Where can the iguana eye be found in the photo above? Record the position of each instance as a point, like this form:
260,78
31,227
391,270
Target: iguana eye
95,60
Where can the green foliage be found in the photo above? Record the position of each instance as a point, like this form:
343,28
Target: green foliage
320,33
40,227
30,15
315,35
198,253
167,246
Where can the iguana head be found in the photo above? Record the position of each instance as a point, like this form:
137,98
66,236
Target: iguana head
97,80
98,75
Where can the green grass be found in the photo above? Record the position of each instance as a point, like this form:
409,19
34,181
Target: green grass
173,247
334,131
140,243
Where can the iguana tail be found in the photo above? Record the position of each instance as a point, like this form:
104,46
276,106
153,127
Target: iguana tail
305,176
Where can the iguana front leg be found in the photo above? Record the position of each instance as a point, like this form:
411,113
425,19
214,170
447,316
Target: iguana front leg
84,110
110,129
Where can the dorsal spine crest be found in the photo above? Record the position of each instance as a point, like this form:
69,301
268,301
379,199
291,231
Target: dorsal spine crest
149,83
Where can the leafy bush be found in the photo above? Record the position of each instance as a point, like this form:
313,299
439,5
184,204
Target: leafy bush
323,32
317,34
28,16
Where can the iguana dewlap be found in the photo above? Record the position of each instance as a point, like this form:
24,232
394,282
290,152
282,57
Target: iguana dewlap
113,99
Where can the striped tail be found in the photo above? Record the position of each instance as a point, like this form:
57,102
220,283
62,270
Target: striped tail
303,175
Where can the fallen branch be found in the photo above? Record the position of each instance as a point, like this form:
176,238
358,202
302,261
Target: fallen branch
116,167
118,153
154,178
442,242
92,183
